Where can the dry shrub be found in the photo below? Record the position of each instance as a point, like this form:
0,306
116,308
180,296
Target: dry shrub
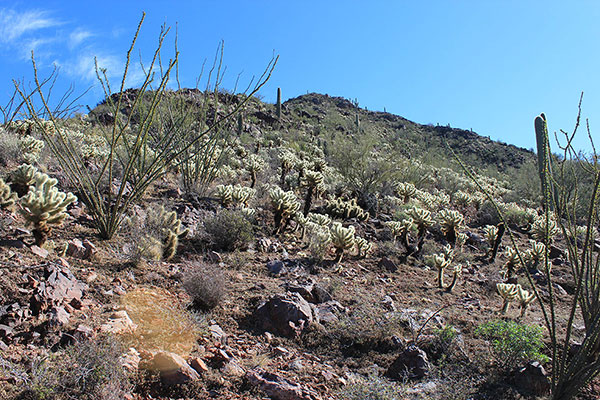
86,370
205,284
229,230
162,324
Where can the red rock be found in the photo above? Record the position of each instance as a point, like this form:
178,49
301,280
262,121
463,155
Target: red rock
199,365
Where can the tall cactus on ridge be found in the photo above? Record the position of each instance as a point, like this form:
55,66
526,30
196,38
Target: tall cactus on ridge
278,109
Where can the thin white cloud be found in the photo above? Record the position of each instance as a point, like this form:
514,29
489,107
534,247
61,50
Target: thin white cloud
78,36
14,25
83,67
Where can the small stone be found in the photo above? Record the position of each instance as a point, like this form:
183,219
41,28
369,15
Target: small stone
388,264
275,266
199,365
38,251
59,316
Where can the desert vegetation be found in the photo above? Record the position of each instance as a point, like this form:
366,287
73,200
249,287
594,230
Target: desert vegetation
200,243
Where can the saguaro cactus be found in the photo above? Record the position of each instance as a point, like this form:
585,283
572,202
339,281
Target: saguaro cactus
278,109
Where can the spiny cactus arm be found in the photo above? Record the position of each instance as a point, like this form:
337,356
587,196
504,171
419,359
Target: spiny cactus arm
524,298
7,196
496,246
456,274
508,292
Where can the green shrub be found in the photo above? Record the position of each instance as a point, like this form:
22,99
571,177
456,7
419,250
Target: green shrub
513,343
229,230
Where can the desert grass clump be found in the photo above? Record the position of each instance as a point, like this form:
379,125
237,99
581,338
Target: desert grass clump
89,369
45,206
162,322
206,285
319,240
229,230
342,239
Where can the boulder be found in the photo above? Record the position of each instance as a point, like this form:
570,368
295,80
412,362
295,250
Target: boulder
412,363
278,388
286,315
533,379
173,369
311,291
119,323
60,288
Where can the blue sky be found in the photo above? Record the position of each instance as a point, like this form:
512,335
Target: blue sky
487,65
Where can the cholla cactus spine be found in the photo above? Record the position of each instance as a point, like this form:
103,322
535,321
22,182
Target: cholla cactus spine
285,204
44,205
7,197
362,247
440,262
509,292
455,275
342,239
22,178
524,298
31,149
451,221
169,227
405,191
539,229
311,180
224,194
461,239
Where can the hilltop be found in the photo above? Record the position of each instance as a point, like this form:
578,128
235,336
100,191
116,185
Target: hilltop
316,251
